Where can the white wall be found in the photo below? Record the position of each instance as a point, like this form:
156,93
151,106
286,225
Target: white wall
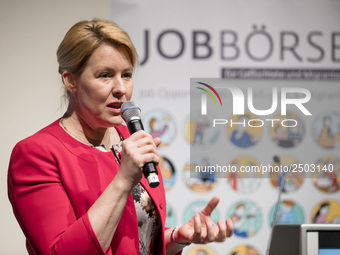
30,86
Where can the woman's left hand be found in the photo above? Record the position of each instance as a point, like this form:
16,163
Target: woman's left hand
200,229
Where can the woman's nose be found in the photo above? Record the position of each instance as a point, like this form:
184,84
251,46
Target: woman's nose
119,87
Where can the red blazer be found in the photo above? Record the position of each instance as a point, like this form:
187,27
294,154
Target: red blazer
52,182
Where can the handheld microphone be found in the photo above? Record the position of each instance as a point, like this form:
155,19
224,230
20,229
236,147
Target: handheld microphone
131,116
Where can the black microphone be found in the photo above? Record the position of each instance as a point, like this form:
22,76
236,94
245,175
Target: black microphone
131,116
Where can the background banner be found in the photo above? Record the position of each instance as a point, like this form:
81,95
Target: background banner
295,42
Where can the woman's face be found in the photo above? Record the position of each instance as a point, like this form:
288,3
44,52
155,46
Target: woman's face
103,86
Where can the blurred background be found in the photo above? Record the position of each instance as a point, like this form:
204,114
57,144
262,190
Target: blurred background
250,43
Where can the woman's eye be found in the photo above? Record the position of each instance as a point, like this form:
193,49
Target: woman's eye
104,75
127,75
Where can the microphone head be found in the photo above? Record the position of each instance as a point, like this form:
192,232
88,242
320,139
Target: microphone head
276,159
130,111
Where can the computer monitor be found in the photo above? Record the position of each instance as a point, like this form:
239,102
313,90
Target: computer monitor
320,239
305,239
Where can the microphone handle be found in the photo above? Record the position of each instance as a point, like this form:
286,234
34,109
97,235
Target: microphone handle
149,169
135,125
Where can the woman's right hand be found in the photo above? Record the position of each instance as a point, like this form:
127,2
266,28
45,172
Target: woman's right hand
137,150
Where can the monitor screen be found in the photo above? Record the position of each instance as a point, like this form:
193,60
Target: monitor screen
320,239
329,251
329,242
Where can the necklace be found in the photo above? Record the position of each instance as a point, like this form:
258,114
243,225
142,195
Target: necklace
116,148
82,140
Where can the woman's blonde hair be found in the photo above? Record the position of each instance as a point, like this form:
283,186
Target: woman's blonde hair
85,37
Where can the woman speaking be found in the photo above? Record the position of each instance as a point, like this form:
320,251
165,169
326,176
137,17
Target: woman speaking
77,186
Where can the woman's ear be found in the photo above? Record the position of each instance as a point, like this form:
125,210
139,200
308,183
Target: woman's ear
70,81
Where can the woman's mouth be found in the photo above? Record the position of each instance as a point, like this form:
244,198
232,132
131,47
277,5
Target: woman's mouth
115,107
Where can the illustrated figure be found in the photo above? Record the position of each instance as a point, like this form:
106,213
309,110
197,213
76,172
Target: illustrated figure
241,136
321,214
327,137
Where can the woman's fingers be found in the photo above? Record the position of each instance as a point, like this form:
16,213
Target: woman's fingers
141,138
222,231
137,150
139,134
211,206
141,148
201,229
197,229
206,231
211,230
157,141
230,227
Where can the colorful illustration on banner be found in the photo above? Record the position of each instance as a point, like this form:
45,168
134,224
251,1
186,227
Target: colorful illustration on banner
244,250
286,168
198,175
246,217
199,130
200,250
196,207
244,130
326,177
168,172
171,219
288,130
289,212
326,129
159,123
244,181
326,212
